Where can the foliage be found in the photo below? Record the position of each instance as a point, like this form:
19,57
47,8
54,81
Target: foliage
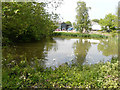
109,22
82,17
75,26
96,20
68,22
26,21
78,35
23,75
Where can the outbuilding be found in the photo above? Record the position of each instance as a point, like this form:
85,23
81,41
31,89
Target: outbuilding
95,26
65,26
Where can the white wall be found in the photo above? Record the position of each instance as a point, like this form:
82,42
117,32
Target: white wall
96,26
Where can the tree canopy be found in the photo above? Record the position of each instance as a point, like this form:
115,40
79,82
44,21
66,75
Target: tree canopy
68,22
96,20
109,22
26,21
82,17
74,25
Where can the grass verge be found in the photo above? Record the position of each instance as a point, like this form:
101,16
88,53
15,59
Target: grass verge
79,35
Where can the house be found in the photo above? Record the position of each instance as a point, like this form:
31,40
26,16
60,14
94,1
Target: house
95,26
63,26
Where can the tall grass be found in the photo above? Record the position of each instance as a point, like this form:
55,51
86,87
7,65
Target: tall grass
78,35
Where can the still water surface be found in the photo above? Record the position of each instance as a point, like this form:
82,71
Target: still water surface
59,50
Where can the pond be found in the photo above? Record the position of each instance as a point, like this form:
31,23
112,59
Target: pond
59,50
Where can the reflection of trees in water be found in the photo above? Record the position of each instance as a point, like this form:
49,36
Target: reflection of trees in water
50,44
81,49
109,47
30,50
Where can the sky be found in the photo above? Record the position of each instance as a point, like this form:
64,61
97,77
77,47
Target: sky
99,8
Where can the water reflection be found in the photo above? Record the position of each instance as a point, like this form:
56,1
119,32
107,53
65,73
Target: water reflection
30,50
109,47
64,52
56,51
81,48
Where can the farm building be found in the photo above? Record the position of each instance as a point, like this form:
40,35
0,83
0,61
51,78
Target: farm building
63,26
95,26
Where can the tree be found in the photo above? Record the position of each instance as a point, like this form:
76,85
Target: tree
75,26
82,16
109,22
68,22
26,21
96,20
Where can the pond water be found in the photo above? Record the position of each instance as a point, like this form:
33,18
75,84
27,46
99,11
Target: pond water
59,50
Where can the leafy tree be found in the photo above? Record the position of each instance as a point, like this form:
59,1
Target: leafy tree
96,20
26,21
68,22
117,22
82,16
109,22
74,25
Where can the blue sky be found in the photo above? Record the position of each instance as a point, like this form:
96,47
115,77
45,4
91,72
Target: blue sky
99,8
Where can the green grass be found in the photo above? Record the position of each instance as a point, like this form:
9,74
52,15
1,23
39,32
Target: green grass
22,75
78,35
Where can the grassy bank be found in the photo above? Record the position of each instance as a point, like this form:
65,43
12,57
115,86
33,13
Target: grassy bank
78,35
22,75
